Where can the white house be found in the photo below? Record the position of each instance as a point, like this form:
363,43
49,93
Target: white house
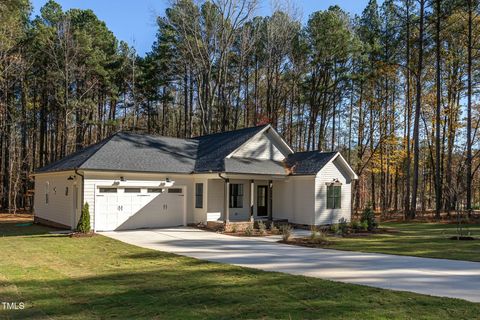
141,181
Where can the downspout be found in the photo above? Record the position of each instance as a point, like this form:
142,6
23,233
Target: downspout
83,187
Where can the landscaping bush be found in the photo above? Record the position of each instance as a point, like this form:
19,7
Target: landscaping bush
313,233
273,228
286,232
368,217
343,227
334,228
262,228
234,228
364,225
249,230
355,225
83,225
318,236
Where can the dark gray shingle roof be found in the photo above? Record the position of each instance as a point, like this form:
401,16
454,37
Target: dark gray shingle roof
307,163
213,148
146,153
137,152
254,166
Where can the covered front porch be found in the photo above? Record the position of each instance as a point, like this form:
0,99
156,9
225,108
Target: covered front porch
242,199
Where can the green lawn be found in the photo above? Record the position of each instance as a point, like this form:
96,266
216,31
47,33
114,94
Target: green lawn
416,239
89,278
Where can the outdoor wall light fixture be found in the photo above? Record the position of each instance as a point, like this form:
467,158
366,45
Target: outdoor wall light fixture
167,182
70,178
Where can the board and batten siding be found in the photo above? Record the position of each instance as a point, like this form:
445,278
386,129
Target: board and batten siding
94,180
303,199
283,200
293,199
62,203
333,170
262,146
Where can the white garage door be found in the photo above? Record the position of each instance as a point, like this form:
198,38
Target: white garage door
134,208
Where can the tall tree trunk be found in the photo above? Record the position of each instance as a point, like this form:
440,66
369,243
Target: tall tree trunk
418,106
469,110
438,178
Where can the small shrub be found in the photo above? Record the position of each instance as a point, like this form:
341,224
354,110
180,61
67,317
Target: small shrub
234,228
249,230
355,225
313,233
273,228
343,227
369,216
262,228
321,237
286,232
364,225
83,225
334,228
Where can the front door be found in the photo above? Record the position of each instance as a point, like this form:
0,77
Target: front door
262,201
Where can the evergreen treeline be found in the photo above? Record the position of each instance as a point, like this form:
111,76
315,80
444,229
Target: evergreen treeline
394,89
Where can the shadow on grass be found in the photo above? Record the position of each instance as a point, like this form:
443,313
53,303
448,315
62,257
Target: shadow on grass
14,229
221,292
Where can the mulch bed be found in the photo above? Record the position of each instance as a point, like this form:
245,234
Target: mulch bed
306,242
82,235
462,238
254,234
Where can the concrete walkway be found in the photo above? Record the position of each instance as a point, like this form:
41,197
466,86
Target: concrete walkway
437,277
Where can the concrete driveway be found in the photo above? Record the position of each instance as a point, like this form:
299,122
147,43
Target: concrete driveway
437,277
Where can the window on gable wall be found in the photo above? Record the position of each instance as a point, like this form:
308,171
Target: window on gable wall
334,197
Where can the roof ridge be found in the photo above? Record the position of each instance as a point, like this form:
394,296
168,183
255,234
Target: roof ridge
229,131
316,151
155,135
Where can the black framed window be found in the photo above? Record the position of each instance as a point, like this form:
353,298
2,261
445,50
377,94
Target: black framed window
236,195
198,195
334,197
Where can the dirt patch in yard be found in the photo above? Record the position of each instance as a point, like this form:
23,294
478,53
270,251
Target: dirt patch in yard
16,218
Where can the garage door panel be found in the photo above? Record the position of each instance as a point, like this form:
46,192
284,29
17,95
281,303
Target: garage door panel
140,210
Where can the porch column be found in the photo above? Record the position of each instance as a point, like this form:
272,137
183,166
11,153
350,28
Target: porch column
252,197
226,201
270,202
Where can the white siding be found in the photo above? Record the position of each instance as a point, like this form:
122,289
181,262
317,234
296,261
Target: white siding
200,214
333,170
303,200
283,200
61,206
216,191
215,198
262,146
93,180
293,199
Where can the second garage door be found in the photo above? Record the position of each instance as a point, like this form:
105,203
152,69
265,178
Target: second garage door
134,208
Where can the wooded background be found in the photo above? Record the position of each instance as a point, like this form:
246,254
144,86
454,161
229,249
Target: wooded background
395,89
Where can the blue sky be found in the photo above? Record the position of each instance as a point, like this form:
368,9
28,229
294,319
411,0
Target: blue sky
134,20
